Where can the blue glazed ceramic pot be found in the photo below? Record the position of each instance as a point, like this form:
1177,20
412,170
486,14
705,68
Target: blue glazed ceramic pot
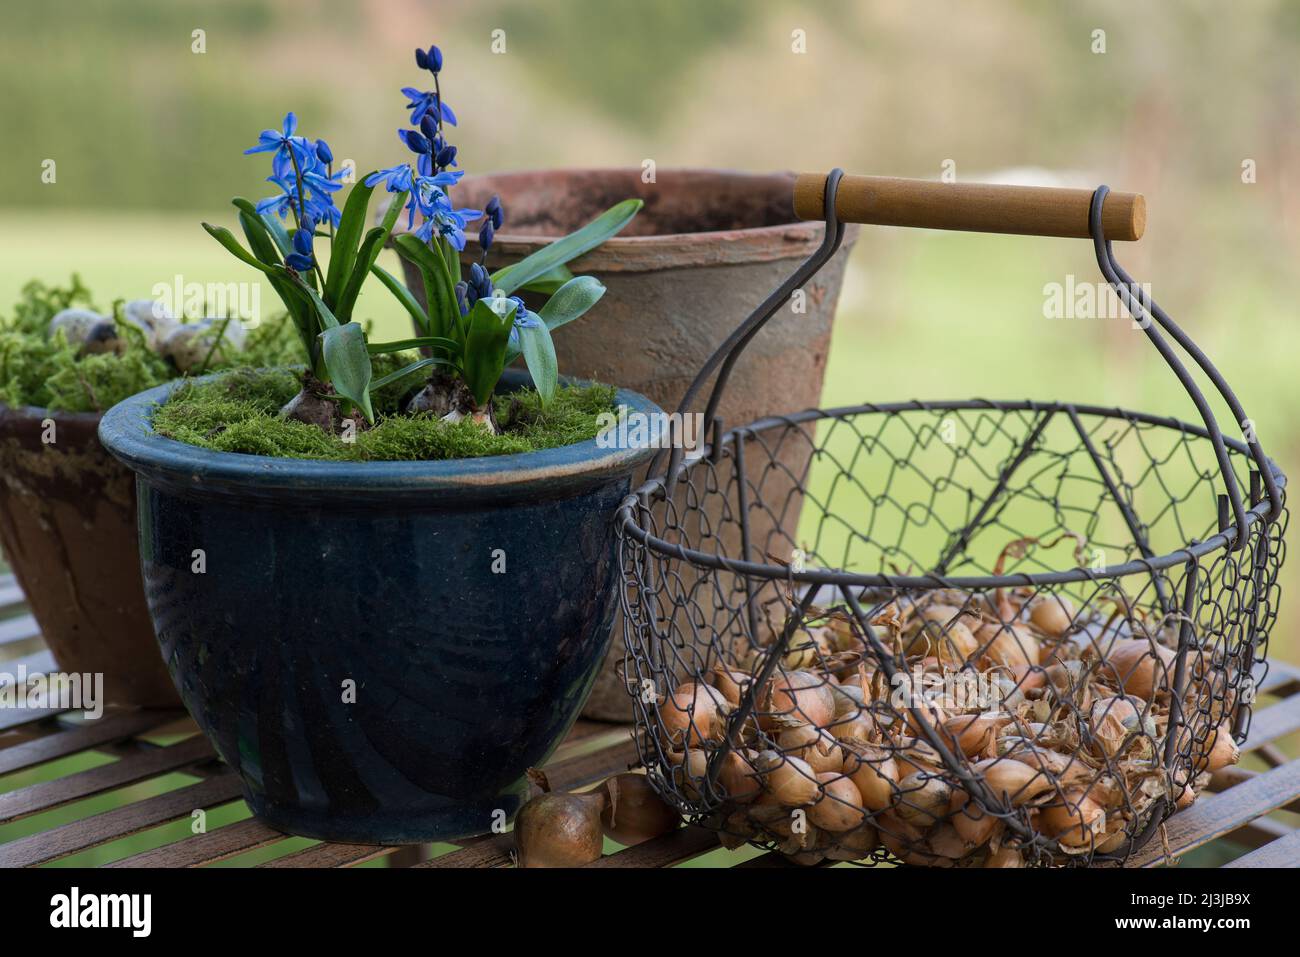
349,642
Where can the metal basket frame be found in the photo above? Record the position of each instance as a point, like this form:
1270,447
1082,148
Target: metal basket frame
1255,522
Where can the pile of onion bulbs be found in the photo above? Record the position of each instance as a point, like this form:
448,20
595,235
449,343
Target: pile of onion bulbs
1056,754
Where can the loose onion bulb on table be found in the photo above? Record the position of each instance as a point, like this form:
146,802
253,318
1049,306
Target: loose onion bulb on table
560,830
634,812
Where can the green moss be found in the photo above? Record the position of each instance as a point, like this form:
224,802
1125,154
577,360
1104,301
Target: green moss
238,412
49,373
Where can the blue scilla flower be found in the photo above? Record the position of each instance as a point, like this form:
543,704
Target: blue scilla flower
302,239
445,157
429,127
524,319
422,102
396,179
298,262
449,224
323,152
485,235
270,140
434,60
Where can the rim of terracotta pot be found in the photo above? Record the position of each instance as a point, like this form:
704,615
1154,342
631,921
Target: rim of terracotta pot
788,238
127,432
25,419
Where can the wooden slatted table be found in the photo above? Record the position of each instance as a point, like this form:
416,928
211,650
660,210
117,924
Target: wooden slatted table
129,783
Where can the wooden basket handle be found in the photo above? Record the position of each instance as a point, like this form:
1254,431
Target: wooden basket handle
975,207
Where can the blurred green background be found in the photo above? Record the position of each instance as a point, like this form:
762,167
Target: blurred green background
147,135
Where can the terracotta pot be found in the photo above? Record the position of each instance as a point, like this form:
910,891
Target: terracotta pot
708,247
67,524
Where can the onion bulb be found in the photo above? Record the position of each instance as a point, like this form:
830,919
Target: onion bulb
974,733
875,775
799,697
1075,821
1140,667
923,799
693,714
1004,857
1223,749
854,845
690,769
952,643
791,782
732,684
1052,615
840,806
822,752
1011,646
974,824
738,778
1012,781
560,830
633,812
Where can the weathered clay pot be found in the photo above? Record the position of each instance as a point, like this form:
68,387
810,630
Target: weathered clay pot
67,524
708,247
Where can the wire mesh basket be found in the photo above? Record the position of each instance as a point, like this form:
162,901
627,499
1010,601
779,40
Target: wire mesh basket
951,633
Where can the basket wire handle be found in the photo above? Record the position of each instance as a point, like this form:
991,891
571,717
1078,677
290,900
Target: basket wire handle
1143,308
725,356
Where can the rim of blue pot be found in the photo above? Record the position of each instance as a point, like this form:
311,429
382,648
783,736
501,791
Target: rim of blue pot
126,430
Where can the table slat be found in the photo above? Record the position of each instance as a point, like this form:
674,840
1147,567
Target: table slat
121,822
92,734
492,850
246,835
681,845
1216,815
330,855
46,795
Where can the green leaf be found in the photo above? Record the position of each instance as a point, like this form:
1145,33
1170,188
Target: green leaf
570,302
422,342
539,356
262,244
327,319
488,334
405,371
348,363
276,228
570,247
438,290
343,251
549,282
224,236
403,295
365,257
